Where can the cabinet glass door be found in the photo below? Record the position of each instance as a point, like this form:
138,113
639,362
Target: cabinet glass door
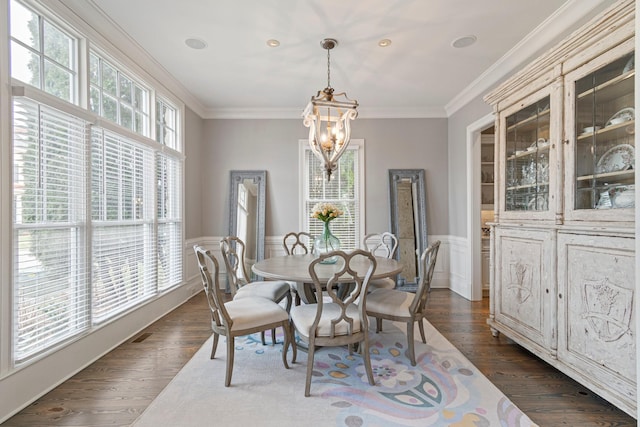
605,144
527,158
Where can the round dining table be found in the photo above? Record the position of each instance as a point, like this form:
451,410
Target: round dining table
295,268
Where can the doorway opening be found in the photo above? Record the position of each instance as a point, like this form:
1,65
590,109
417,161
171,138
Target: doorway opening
479,171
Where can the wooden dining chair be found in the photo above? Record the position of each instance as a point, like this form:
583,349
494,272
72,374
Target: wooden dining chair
333,321
381,244
241,316
401,306
233,250
298,243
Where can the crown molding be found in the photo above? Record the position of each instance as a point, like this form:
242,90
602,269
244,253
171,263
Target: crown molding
296,113
105,33
402,113
252,113
566,17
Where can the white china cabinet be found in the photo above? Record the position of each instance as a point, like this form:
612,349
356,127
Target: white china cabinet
563,238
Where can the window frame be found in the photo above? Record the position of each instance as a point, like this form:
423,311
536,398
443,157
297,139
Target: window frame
48,117
304,220
161,100
63,27
121,72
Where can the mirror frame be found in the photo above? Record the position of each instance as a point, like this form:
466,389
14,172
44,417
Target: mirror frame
259,177
416,176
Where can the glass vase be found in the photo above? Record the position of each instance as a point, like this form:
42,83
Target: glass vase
326,242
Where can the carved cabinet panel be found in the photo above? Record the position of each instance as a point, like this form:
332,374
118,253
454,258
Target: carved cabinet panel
524,272
596,297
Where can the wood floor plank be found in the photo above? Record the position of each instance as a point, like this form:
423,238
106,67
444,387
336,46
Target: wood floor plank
117,388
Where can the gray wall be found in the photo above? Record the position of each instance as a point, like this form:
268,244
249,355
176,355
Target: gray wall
405,144
272,145
193,141
457,124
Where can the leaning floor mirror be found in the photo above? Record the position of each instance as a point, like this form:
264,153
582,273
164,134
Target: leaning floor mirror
247,200
408,215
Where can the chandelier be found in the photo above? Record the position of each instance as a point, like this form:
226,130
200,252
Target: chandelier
329,120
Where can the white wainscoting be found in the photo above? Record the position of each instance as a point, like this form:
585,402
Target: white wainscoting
459,277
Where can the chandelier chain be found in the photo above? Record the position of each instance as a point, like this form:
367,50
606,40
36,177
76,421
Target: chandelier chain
328,67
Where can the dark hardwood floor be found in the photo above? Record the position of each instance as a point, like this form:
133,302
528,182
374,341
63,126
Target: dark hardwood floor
118,387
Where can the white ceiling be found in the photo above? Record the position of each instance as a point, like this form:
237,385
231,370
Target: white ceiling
419,75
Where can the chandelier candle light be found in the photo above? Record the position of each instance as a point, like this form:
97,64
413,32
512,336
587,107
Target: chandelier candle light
329,120
326,242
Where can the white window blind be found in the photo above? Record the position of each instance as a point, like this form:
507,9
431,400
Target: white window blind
50,287
169,202
123,264
344,189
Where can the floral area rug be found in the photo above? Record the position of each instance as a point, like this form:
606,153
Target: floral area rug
444,389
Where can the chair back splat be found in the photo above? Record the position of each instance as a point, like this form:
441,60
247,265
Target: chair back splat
209,273
427,267
401,306
298,243
332,320
233,250
385,245
381,244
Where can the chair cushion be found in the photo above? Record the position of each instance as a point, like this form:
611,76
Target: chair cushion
248,313
303,316
390,301
273,290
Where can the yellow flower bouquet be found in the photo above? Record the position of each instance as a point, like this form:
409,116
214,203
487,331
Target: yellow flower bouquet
326,242
326,212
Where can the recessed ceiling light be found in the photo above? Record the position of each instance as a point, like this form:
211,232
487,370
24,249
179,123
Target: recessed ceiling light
384,42
464,41
194,43
273,43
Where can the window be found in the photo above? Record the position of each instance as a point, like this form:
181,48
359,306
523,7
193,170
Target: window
42,55
166,124
51,283
97,210
117,97
169,206
123,268
346,189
